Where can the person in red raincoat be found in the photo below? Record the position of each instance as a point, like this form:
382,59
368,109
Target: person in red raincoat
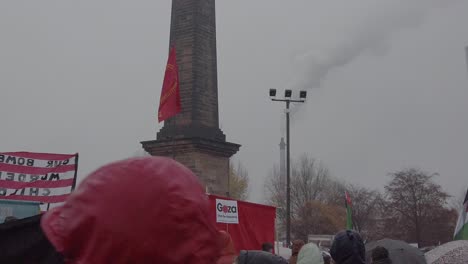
228,254
139,210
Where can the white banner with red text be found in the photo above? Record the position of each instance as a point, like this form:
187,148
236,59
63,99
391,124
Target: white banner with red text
39,177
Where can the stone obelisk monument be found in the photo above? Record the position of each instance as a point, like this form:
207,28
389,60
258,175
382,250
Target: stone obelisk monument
193,137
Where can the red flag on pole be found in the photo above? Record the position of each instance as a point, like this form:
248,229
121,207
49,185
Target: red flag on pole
349,212
348,199
169,104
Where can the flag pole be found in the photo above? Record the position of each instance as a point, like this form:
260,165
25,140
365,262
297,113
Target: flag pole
228,194
76,172
276,239
349,211
74,178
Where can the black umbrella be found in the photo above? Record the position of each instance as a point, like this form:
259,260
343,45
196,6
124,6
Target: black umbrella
400,252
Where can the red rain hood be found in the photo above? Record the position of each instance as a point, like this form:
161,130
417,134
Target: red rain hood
141,210
228,254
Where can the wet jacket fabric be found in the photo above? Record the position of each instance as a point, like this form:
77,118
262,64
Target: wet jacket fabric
310,254
348,248
259,257
228,254
139,210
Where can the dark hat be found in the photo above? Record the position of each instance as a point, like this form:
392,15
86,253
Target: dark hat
348,248
259,257
380,255
267,246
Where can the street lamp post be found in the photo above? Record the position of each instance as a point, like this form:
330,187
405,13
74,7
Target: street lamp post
288,100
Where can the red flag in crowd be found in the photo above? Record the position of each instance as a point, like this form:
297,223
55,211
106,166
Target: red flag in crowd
169,104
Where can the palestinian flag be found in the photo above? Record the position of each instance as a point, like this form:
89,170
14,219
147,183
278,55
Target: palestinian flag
461,231
349,212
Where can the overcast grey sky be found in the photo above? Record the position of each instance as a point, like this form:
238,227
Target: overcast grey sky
388,82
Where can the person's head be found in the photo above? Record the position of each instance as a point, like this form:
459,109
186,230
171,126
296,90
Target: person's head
258,257
10,219
268,247
228,254
310,254
348,248
296,246
139,210
380,255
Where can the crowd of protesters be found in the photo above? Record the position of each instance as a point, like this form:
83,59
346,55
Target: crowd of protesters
347,248
154,210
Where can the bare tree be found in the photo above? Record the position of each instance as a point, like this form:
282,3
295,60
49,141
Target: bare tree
310,181
318,218
413,198
366,208
457,202
312,188
275,191
439,227
238,182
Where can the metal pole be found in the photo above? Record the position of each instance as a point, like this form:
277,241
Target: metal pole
276,238
288,180
288,161
75,176
228,193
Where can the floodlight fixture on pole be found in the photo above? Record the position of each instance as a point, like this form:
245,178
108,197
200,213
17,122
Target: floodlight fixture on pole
303,95
272,93
288,100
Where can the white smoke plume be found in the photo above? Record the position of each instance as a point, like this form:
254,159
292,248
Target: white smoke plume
371,25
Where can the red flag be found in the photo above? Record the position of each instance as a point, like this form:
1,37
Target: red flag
348,199
169,104
349,212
